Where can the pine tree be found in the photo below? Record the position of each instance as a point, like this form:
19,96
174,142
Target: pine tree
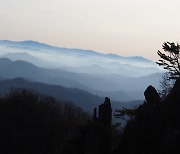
170,59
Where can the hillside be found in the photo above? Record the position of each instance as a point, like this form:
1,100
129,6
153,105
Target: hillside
117,87
79,97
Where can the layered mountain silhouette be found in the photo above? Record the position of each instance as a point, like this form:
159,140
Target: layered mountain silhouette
79,97
120,78
23,56
33,45
84,77
114,86
78,60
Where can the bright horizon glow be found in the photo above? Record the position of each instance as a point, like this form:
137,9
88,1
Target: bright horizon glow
127,28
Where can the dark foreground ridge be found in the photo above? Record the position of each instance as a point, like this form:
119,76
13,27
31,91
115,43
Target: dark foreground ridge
155,128
32,123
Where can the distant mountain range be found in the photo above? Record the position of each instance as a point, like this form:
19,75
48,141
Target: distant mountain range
77,60
25,57
120,78
114,86
32,45
83,99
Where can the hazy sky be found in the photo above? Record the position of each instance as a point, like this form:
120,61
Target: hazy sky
124,27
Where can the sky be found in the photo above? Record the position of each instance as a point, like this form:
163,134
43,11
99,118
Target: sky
123,27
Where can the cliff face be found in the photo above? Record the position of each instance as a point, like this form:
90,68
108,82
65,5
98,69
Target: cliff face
156,126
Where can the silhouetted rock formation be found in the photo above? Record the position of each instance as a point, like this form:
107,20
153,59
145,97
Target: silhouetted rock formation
95,114
98,138
93,137
151,95
105,112
156,125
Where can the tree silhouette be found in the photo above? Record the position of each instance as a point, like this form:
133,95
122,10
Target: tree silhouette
35,123
170,59
166,86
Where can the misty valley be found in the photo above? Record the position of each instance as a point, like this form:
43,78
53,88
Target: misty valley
73,101
120,78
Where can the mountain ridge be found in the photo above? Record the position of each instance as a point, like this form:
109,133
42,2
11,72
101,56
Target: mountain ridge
83,99
44,45
100,85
